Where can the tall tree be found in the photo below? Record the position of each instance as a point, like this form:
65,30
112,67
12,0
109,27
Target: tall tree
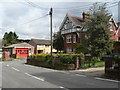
10,38
98,32
58,42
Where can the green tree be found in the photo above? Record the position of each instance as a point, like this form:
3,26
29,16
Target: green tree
58,42
98,32
81,47
10,38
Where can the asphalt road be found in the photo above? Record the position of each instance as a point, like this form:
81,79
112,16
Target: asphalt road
16,74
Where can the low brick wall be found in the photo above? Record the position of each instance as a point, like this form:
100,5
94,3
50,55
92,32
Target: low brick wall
36,63
110,67
56,65
69,66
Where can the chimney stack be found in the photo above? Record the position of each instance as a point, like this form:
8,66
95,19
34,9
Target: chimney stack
85,15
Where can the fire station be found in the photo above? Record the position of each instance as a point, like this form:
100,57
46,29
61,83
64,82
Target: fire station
19,50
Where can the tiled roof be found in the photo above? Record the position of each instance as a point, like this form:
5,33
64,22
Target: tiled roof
75,19
19,45
41,41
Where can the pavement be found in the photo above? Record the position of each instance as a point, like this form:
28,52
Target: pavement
95,72
16,74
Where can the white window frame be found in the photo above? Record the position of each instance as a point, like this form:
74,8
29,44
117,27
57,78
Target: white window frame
68,39
74,38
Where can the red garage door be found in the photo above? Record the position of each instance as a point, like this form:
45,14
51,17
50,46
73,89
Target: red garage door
21,52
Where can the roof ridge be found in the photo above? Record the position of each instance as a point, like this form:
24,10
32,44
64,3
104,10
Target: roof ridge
69,14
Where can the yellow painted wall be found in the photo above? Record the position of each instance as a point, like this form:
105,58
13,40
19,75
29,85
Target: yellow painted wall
46,49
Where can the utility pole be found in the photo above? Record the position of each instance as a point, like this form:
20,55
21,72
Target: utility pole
50,13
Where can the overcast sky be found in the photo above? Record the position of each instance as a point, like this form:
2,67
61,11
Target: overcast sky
17,15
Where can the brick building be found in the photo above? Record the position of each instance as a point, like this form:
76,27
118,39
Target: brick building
41,46
20,50
118,31
73,31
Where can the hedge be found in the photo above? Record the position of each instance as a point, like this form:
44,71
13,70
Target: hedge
63,58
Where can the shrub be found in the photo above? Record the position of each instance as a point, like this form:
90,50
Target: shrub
117,58
63,58
68,58
94,60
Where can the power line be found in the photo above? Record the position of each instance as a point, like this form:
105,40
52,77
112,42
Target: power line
79,7
35,5
34,19
71,8
115,3
27,23
75,7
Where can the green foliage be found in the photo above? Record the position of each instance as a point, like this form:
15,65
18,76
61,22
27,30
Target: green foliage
98,32
117,58
88,64
10,59
69,58
22,40
94,60
58,42
63,58
81,47
116,47
10,38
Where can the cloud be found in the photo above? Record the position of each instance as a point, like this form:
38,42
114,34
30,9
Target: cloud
58,0
14,15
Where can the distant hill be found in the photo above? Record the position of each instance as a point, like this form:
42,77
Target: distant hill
21,40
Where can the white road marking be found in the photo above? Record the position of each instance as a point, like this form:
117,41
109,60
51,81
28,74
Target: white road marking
35,77
31,66
80,75
61,87
41,67
15,69
7,65
106,79
50,69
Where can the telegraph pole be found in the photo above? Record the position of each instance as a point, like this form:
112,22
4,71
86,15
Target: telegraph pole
50,13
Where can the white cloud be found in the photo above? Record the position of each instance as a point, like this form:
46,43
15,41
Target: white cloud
14,14
57,0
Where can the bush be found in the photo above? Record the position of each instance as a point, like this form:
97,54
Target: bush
10,59
69,58
94,60
116,58
59,59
